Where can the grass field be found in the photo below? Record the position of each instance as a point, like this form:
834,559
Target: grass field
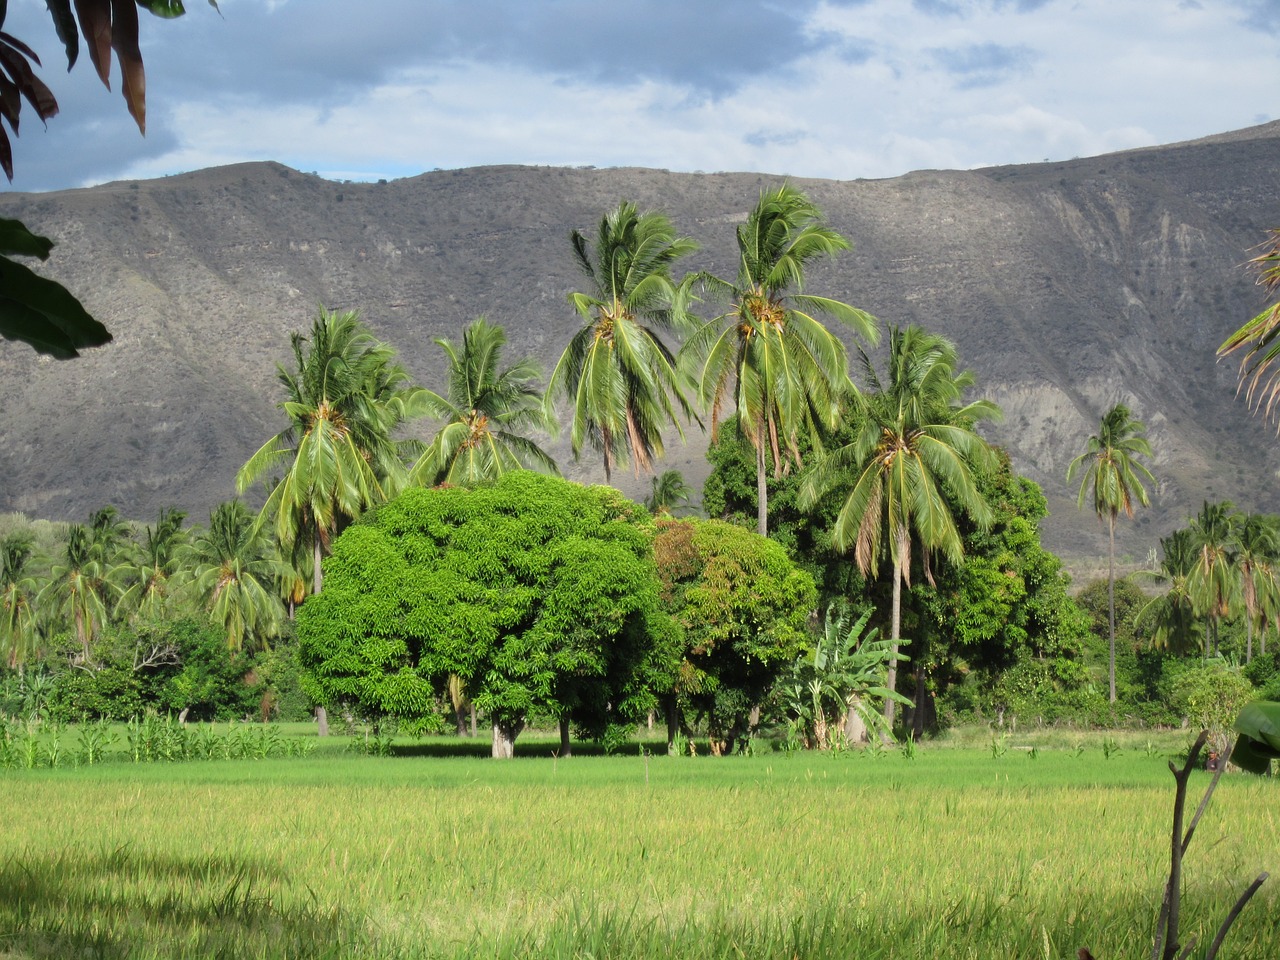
954,853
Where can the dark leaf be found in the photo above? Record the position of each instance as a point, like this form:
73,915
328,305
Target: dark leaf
17,240
1259,741
10,101
25,292
124,40
65,23
6,155
20,322
21,47
38,95
163,8
95,24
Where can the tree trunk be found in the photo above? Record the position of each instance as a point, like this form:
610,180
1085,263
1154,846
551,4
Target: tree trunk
1111,603
322,722
1248,632
855,729
473,719
460,720
671,709
504,737
762,485
918,711
566,745
317,578
895,626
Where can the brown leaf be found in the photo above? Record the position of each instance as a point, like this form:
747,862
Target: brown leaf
95,25
6,155
124,40
32,87
10,102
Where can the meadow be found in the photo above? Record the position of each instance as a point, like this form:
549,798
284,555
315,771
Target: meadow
969,848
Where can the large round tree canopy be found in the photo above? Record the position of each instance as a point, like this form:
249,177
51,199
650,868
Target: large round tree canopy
533,590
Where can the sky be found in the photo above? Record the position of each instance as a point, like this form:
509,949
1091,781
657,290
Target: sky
841,89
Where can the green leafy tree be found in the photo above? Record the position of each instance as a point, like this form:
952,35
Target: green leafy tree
485,410
1260,337
1007,605
784,371
1111,476
617,373
740,607
1213,582
233,568
533,590
345,398
17,591
34,309
912,462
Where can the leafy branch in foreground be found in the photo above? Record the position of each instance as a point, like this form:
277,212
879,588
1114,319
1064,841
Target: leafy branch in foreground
34,309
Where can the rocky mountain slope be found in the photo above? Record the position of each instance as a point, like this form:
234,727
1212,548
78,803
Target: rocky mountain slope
1067,287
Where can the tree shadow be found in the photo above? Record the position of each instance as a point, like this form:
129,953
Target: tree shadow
124,903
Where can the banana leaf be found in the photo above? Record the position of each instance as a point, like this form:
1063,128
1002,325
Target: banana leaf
1259,740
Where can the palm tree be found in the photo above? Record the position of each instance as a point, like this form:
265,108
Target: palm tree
1113,471
484,409
1213,584
1259,372
1174,610
148,576
1257,539
617,373
768,352
667,492
345,398
17,615
76,586
912,462
233,569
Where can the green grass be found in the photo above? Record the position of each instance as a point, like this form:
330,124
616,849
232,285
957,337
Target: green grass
955,853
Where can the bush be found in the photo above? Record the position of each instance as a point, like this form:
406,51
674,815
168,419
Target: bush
1210,696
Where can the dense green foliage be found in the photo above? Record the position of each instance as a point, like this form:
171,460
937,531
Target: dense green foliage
534,591
741,608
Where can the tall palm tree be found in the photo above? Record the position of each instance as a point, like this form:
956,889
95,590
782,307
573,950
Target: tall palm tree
233,569
1257,542
1173,610
1260,337
1213,583
344,400
1112,470
768,353
77,585
617,372
147,577
912,462
485,408
17,613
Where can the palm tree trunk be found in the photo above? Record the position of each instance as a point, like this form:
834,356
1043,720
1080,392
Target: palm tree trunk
1111,603
1248,633
762,485
895,624
317,579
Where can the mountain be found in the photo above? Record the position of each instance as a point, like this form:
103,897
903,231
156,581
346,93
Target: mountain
1066,286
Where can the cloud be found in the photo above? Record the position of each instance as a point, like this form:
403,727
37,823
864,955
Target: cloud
985,64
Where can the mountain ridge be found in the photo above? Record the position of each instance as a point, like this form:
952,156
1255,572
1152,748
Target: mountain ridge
1067,286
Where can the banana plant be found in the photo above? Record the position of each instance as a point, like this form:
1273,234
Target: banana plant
1259,740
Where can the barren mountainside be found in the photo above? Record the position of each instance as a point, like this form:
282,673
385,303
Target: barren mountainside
1066,286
